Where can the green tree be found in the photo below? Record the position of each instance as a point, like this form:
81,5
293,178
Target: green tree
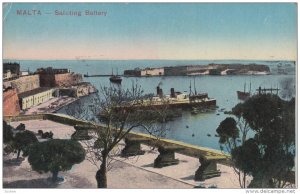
23,140
55,155
269,156
8,138
229,132
120,110
8,135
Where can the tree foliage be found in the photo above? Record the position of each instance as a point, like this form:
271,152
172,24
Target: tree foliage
21,127
246,156
269,155
228,129
55,155
7,133
23,140
117,111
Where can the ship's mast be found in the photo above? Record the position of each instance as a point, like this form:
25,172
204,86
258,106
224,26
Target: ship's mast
195,87
190,87
250,88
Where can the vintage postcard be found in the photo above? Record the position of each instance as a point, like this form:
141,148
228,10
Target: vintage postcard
149,95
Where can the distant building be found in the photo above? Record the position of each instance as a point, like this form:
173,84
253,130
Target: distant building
35,97
7,75
50,70
50,77
152,72
14,68
24,73
144,72
78,90
67,79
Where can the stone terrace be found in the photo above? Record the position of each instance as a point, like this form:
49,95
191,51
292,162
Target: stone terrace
135,172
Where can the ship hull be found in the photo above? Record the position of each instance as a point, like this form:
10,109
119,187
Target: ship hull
115,80
243,95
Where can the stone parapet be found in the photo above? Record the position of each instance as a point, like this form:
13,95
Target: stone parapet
188,149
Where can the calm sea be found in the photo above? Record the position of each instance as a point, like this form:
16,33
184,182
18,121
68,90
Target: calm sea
189,128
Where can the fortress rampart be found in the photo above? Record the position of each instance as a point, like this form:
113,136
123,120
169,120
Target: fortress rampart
11,103
23,84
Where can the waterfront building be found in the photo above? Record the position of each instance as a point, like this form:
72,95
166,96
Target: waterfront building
78,90
152,72
35,97
145,72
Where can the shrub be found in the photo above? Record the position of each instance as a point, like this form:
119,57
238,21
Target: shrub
21,127
55,155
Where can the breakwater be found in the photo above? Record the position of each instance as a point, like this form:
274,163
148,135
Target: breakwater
210,69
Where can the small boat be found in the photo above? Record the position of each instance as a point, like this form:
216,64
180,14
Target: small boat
208,135
115,78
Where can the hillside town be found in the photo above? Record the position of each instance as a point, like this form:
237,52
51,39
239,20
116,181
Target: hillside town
23,91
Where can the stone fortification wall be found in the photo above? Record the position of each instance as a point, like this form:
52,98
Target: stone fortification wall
136,73
67,79
23,84
85,89
11,103
47,80
213,69
175,71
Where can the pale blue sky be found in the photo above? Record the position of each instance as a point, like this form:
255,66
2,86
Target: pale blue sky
152,31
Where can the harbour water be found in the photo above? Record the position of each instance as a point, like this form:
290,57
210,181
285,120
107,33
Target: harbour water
189,128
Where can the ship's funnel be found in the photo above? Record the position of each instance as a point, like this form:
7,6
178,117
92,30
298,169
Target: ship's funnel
157,90
160,93
172,93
